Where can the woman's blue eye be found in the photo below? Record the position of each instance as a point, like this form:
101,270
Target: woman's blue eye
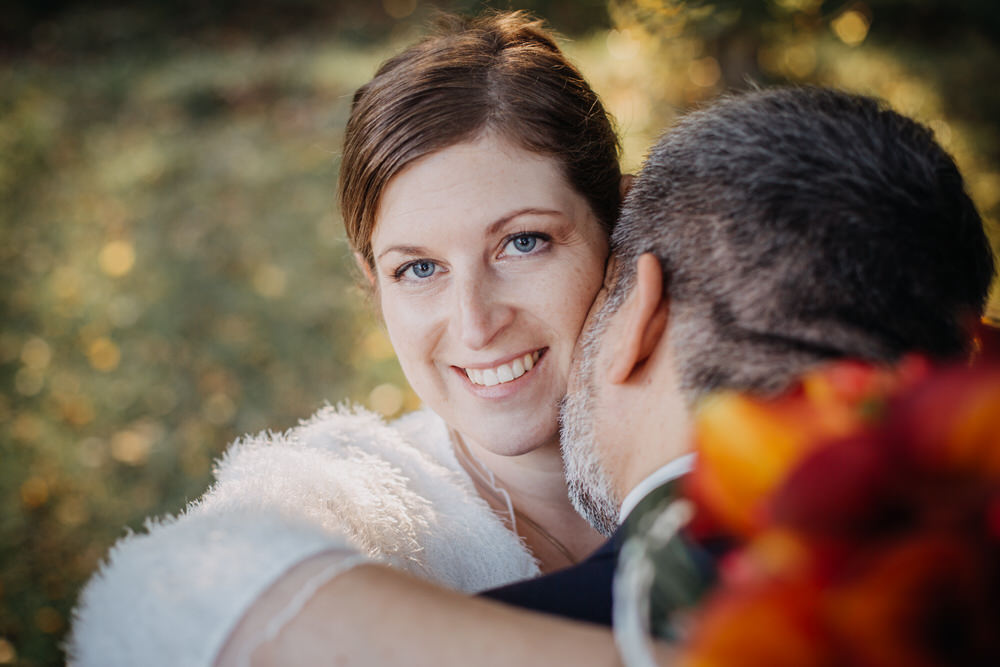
524,243
422,269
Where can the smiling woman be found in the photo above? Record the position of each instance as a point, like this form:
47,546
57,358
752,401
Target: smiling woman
479,182
487,260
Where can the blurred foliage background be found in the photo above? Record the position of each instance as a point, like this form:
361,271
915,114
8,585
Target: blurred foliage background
174,271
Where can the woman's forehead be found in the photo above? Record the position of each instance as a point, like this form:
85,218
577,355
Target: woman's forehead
471,185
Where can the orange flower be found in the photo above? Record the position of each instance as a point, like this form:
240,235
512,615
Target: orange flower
747,445
952,420
766,626
925,601
837,490
871,505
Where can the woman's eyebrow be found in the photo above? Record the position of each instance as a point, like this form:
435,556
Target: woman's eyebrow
499,224
493,228
404,250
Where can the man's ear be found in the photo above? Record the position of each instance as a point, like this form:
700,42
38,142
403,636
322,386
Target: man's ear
364,268
625,184
644,320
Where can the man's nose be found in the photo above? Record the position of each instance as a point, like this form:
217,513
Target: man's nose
483,311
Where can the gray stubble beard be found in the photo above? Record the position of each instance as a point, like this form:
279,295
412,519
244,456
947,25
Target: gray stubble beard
590,487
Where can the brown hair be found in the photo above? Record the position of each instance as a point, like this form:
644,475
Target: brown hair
500,72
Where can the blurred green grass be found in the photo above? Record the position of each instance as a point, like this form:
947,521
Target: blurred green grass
174,275
174,271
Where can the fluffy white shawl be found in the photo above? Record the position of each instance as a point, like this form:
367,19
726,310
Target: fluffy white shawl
341,480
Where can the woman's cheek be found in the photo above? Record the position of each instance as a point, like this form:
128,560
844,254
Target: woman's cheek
402,326
413,325
575,292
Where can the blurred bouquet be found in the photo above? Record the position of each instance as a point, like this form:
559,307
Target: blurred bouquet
862,512
867,508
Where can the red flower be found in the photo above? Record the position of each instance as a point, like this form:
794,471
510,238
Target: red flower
926,600
747,445
767,626
869,502
952,421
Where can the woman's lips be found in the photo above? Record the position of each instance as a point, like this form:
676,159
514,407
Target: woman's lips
503,373
493,382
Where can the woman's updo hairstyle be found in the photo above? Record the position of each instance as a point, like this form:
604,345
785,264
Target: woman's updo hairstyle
502,73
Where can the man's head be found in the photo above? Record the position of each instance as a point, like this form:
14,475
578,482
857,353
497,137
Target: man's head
767,233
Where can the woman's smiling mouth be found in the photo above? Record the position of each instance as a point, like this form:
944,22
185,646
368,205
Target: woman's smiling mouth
507,372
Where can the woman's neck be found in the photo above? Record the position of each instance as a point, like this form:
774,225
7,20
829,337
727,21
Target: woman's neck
535,475
556,535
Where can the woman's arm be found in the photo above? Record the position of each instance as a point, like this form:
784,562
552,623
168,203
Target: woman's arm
343,482
372,615
172,595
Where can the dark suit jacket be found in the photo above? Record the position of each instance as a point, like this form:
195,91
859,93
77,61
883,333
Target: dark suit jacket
584,591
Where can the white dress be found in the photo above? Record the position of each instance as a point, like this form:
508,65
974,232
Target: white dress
343,480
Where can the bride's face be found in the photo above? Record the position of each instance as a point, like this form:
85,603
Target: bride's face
486,264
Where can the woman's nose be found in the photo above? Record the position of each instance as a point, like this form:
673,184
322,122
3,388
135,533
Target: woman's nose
483,311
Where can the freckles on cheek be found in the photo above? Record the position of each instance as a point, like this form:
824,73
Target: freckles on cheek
395,320
410,327
587,283
397,309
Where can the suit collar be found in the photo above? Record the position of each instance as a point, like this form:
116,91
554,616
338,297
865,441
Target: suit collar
678,467
648,507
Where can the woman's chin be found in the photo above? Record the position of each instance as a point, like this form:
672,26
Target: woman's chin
496,436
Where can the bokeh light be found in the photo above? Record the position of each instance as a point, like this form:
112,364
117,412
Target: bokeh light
851,27
117,258
7,652
386,399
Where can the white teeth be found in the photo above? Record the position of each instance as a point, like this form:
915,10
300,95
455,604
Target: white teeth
529,361
504,372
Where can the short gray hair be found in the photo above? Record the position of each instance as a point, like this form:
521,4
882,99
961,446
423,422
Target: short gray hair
797,225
